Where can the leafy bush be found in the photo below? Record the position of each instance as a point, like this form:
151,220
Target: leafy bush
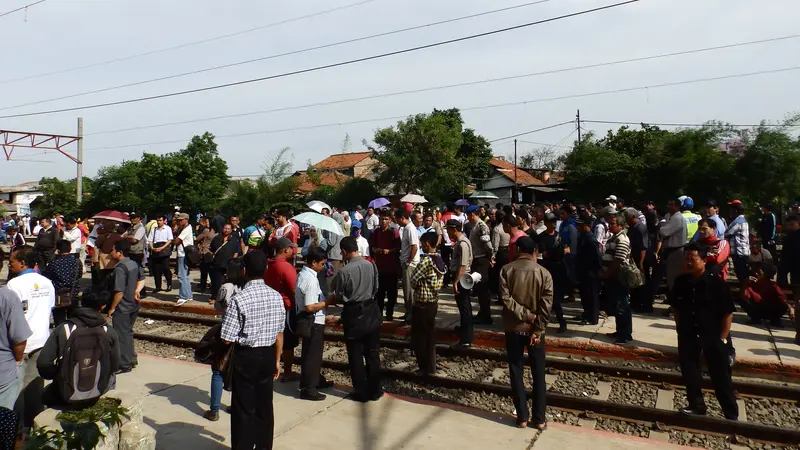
79,428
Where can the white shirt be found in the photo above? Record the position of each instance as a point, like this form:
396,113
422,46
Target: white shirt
373,222
307,292
74,238
363,246
36,229
163,234
187,239
408,237
38,298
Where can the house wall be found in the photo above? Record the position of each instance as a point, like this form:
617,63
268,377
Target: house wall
364,169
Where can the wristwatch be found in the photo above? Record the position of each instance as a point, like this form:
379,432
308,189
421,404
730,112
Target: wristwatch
724,341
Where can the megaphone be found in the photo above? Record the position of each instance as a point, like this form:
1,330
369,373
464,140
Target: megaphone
469,280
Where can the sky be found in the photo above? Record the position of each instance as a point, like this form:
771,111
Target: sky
61,35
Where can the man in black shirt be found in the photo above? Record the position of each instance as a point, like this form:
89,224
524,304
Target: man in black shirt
703,307
552,254
640,242
588,263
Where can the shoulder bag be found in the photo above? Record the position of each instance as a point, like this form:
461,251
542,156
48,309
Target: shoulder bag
227,356
629,274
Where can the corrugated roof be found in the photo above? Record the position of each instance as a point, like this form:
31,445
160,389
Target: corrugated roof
342,160
523,177
334,179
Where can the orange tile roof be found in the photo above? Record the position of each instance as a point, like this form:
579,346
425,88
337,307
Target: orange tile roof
334,179
342,160
523,177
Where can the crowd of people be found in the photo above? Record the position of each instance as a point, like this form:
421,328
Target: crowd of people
273,281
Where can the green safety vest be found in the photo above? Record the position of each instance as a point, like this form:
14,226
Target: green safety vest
691,223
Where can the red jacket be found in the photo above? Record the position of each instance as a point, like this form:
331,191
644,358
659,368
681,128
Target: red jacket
765,291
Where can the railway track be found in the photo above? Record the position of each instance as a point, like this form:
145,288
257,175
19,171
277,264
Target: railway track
591,394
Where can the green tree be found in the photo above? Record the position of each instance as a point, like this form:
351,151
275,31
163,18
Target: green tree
354,192
60,196
431,154
117,187
768,165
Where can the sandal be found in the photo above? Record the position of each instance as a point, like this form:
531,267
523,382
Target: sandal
541,427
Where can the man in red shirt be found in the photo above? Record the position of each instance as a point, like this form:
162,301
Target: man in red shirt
281,276
284,229
384,246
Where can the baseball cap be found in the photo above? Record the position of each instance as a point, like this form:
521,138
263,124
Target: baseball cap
453,223
688,202
583,218
283,243
472,208
711,202
526,245
182,216
735,202
612,197
356,224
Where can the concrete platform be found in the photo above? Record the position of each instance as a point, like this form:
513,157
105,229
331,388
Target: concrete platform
759,348
175,394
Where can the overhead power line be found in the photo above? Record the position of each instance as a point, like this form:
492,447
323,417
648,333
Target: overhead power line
327,66
447,86
21,8
616,122
498,105
274,56
188,44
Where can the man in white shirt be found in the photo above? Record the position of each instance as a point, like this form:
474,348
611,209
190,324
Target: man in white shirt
372,219
674,237
601,230
185,238
160,244
409,257
310,306
38,297
73,234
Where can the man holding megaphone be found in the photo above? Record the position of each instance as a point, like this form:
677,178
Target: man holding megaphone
460,263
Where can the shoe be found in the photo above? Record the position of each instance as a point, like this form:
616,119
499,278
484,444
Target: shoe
228,409
461,345
325,384
622,341
389,318
290,377
691,412
182,301
169,289
315,397
356,397
562,328
125,370
212,416
603,315
156,291
403,318
613,335
376,396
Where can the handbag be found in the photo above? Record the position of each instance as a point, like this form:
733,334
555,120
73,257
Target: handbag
227,357
630,276
163,253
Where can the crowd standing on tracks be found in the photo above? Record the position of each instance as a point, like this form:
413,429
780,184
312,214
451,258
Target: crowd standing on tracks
274,280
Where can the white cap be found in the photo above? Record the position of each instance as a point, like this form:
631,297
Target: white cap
612,197
682,198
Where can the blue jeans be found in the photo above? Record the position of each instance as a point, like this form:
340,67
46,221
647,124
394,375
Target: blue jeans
216,390
9,393
619,297
185,290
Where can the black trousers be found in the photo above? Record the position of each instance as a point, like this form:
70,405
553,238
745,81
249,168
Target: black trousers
447,253
252,415
387,289
690,345
44,257
139,260
217,275
465,332
205,272
482,265
311,360
423,335
760,310
589,288
501,259
363,357
515,348
60,315
123,325
161,269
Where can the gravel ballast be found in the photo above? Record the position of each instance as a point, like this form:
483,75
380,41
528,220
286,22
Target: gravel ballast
622,427
780,413
576,384
699,440
633,393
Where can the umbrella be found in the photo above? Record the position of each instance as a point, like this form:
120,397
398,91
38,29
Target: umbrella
319,222
462,202
116,216
484,194
413,198
379,203
318,206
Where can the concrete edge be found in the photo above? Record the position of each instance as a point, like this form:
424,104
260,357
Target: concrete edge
496,339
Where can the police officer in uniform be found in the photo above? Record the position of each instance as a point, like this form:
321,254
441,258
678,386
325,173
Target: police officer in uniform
703,307
691,218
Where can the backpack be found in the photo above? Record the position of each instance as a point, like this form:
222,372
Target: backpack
193,256
84,364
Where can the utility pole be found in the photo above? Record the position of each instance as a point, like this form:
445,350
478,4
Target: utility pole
514,191
79,179
578,118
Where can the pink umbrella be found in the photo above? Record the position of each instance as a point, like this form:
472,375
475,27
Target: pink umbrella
116,216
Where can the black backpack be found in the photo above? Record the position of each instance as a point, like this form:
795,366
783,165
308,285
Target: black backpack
84,366
193,256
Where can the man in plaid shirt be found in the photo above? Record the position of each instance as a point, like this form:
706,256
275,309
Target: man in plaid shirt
254,323
426,279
